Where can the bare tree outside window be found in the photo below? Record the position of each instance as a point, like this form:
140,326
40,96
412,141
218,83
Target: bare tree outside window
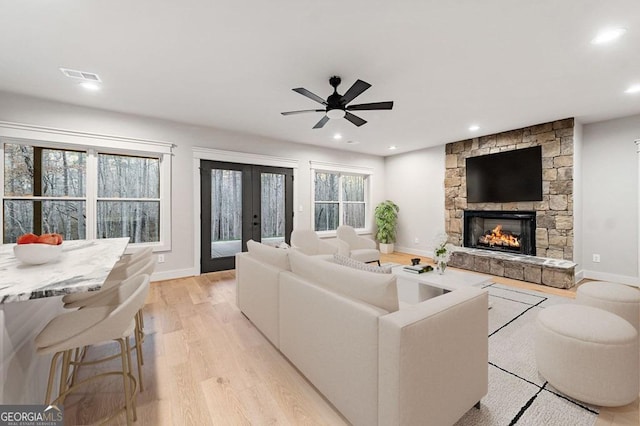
44,192
226,205
339,199
272,210
353,201
128,198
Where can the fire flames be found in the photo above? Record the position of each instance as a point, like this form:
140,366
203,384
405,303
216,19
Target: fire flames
498,238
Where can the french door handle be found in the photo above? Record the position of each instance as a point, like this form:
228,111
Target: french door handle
256,223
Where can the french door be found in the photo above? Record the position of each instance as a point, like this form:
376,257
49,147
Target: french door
241,202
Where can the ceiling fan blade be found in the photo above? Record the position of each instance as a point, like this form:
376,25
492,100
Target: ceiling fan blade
371,106
355,119
358,87
308,94
320,124
302,111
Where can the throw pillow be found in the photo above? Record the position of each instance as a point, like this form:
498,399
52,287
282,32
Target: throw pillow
375,289
356,264
270,255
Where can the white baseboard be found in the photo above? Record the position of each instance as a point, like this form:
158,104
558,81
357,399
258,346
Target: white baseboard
173,274
410,250
606,276
579,276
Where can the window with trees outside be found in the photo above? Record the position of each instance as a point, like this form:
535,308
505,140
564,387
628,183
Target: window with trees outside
80,194
339,199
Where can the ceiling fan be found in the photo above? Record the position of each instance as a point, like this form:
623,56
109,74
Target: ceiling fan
336,104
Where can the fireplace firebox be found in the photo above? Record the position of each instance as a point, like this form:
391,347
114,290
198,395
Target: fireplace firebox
507,231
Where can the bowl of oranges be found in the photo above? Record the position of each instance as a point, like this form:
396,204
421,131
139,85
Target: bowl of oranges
36,250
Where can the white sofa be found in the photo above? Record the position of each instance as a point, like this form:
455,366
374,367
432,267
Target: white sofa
341,327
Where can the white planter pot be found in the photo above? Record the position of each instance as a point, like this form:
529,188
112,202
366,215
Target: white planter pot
386,248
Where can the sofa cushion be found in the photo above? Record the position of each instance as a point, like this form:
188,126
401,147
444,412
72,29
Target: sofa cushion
376,289
356,264
269,255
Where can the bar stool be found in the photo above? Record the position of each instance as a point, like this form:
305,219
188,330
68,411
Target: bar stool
70,331
145,252
115,277
111,297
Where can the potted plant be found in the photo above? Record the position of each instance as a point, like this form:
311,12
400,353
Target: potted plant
386,215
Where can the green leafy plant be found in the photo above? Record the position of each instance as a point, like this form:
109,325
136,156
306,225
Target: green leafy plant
386,215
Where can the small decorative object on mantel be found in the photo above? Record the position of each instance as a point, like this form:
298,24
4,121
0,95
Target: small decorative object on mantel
442,253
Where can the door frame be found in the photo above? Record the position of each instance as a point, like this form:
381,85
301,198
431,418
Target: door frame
201,153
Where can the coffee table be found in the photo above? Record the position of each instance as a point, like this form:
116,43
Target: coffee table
432,284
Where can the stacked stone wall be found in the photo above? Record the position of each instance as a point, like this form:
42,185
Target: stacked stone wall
554,214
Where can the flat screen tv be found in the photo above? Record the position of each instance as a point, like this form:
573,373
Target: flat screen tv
505,176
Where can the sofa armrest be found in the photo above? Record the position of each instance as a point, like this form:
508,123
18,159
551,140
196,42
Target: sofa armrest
434,359
257,294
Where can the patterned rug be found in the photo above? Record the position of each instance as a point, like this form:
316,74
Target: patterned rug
518,395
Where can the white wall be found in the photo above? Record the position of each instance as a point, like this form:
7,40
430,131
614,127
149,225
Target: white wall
415,182
179,262
606,215
610,199
578,214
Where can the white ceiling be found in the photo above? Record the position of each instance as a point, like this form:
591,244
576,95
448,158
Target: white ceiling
501,64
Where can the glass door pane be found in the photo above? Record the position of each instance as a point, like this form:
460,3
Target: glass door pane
242,202
272,202
226,213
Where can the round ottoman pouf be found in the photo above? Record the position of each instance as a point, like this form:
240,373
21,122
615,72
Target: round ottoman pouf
588,354
619,299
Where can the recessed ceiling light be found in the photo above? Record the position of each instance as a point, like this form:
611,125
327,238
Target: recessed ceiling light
393,147
474,127
633,89
337,136
88,85
608,35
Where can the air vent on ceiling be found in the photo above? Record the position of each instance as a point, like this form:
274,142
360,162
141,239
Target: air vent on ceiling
81,75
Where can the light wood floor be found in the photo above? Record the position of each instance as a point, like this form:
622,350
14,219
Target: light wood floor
206,364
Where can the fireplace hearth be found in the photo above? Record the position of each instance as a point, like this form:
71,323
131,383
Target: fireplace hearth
506,231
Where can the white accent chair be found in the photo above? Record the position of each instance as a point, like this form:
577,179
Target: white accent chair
360,248
308,242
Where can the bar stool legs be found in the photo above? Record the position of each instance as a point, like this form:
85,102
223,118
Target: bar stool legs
65,387
129,394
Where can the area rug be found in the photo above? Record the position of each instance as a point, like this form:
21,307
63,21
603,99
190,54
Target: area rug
518,395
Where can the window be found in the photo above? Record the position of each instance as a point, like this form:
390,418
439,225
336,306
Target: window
44,191
84,192
128,198
340,198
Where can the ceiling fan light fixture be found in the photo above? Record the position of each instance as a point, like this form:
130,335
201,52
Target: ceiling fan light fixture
336,113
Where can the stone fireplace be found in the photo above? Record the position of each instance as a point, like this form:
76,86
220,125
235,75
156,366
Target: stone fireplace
504,231
553,233
549,229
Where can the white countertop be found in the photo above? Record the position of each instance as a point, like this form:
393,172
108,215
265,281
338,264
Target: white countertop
83,265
